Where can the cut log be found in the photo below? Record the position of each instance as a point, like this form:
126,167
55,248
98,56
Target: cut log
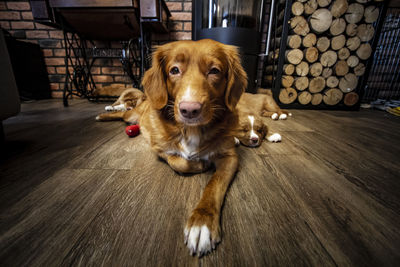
332,96
309,40
359,70
297,8
287,95
332,82
321,20
281,15
299,25
324,3
316,69
316,85
316,99
341,68
371,14
338,42
364,51
273,55
351,99
302,69
302,1
326,72
348,83
339,7
363,1
304,98
288,69
294,41
351,29
353,43
323,44
354,13
294,56
287,81
338,26
279,30
352,61
343,53
264,91
365,32
275,41
270,69
328,58
301,83
268,79
310,6
311,54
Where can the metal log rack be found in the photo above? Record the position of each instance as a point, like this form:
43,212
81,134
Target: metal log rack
278,6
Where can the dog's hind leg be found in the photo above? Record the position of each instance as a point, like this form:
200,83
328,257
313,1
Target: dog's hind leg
112,116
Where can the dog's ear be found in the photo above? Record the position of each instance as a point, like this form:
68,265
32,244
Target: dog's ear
237,77
154,83
265,130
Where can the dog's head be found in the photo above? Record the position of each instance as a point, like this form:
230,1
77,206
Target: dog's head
132,98
251,130
201,79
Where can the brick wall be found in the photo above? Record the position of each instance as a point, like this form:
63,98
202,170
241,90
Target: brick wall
16,17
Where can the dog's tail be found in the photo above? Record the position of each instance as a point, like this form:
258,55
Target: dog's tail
111,116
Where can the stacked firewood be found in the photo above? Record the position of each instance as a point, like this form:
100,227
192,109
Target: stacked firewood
327,49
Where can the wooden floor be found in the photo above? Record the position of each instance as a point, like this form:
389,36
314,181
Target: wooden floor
75,192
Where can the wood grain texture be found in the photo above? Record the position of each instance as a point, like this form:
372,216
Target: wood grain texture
75,192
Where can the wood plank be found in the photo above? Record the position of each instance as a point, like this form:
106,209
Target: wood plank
52,217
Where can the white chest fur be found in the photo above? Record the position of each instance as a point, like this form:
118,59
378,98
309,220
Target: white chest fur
190,146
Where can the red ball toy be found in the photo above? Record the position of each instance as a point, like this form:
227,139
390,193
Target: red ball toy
132,130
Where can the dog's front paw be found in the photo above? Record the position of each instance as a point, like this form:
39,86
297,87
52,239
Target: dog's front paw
275,138
202,232
283,116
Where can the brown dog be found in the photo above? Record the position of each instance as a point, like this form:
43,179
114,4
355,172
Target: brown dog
189,119
251,131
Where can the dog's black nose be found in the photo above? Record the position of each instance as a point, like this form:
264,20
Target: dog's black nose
189,110
254,140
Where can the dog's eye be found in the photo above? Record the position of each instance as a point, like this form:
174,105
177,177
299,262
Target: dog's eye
174,71
214,71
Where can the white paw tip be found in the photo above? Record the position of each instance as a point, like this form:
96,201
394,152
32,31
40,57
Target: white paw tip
275,138
274,116
97,118
198,240
109,108
193,239
290,114
237,141
283,117
204,245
